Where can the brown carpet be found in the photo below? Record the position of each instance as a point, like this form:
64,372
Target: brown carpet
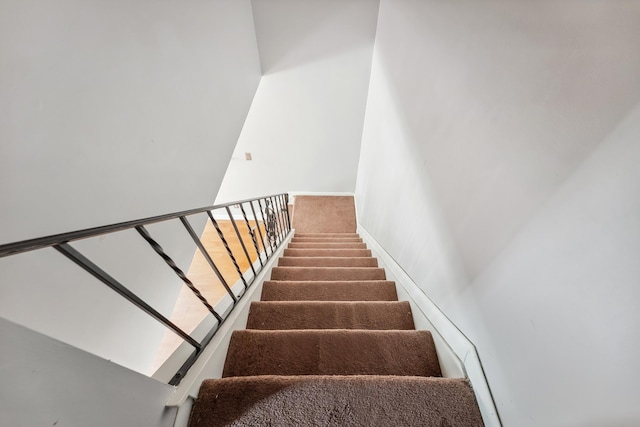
327,273
326,235
331,352
328,252
292,401
324,214
330,345
327,262
377,315
326,239
359,290
328,245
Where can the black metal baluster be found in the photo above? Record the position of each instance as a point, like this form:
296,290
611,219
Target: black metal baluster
259,230
251,233
282,215
87,265
229,251
273,222
276,222
206,255
244,248
286,199
179,375
267,224
276,208
167,259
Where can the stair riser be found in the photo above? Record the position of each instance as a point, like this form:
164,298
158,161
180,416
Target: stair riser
325,240
330,315
327,252
327,262
327,273
329,291
326,245
336,352
325,235
329,344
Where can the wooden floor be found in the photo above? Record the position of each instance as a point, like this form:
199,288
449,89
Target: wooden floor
189,311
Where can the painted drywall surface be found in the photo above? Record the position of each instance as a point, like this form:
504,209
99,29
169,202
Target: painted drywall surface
560,301
550,305
111,112
305,124
48,383
506,98
118,111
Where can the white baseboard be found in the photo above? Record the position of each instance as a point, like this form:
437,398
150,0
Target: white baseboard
455,341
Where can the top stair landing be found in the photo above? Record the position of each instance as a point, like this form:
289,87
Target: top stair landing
324,214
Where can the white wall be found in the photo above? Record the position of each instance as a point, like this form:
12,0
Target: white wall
560,301
113,111
47,383
305,124
506,99
497,167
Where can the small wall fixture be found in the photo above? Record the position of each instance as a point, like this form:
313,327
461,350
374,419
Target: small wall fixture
247,156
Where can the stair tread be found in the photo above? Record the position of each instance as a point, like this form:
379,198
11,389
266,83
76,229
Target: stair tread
336,400
327,273
377,315
293,290
288,261
327,252
338,235
324,214
331,352
327,245
330,344
326,239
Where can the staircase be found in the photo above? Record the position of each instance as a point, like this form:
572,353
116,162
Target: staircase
330,344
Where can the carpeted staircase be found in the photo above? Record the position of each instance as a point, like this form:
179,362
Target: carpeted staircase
329,344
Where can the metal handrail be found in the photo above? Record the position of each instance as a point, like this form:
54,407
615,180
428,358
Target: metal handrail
54,239
276,230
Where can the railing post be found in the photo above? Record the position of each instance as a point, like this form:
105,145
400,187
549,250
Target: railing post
286,199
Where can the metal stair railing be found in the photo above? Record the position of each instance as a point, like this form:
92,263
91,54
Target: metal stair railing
276,224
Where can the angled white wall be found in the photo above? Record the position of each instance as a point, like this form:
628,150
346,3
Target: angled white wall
305,124
118,111
48,383
113,111
499,168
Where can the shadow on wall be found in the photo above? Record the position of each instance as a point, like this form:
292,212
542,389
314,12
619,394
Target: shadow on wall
503,102
292,33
